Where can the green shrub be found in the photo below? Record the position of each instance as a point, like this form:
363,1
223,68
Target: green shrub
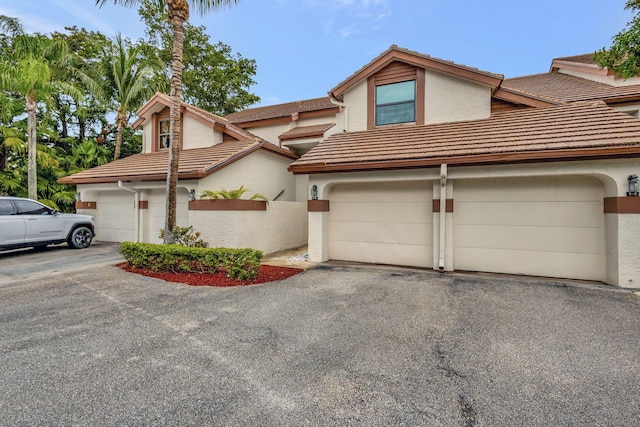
186,236
241,264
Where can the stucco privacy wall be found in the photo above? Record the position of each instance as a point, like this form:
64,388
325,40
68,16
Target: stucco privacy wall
622,231
156,212
260,172
282,226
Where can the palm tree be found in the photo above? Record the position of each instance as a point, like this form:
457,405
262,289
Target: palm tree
178,14
129,79
36,67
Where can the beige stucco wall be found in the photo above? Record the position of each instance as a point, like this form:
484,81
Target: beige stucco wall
196,134
260,172
356,101
270,133
282,226
622,231
449,98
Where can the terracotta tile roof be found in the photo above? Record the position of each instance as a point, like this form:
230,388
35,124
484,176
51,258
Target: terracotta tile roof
566,88
280,110
194,163
586,58
306,131
566,132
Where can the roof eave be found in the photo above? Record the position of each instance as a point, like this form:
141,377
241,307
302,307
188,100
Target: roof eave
470,160
523,98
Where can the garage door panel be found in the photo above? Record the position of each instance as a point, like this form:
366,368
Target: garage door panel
545,239
527,190
550,264
388,223
412,191
115,218
382,253
413,213
413,234
578,214
539,226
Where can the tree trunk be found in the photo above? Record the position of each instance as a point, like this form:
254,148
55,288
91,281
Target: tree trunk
121,119
32,184
178,11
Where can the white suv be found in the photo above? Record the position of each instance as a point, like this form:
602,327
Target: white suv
27,223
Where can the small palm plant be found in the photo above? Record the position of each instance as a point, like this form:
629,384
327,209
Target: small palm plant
230,194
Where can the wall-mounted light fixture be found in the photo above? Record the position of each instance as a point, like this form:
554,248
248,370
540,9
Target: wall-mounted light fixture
192,194
78,197
314,192
632,181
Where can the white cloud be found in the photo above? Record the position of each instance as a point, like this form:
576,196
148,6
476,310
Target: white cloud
89,15
32,23
359,14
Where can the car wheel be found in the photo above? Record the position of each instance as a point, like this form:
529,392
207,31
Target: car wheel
80,238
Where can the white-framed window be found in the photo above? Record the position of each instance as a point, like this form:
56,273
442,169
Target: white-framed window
164,134
396,103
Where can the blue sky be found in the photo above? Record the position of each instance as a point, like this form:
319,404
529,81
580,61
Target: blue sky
304,48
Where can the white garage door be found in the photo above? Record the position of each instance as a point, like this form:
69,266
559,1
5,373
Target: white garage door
115,217
387,223
544,227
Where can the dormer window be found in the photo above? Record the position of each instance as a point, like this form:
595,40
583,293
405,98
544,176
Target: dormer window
164,133
396,103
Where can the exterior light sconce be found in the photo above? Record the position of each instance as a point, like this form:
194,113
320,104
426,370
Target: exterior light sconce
632,181
78,197
192,194
314,192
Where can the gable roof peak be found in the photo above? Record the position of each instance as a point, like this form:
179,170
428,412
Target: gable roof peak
421,60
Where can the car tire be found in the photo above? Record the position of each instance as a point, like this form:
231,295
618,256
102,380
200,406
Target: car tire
80,238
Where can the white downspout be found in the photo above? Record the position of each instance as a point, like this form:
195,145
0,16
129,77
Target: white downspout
345,109
443,214
136,209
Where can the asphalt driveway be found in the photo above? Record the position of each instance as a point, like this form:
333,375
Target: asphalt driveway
334,345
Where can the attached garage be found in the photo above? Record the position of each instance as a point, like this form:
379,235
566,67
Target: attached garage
536,226
387,223
115,218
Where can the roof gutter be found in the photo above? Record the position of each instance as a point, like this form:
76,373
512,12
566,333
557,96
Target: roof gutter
443,216
343,107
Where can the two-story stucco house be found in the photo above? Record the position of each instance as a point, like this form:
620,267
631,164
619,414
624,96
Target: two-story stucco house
418,161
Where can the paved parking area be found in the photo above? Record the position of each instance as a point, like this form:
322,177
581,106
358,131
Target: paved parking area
335,345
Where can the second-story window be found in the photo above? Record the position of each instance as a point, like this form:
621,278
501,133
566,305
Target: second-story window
164,133
396,103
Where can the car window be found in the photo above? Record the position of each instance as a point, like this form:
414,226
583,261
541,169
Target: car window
29,207
6,207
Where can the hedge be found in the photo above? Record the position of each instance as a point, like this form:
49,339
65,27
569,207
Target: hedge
241,264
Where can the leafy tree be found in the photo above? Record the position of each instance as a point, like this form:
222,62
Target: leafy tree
129,81
623,57
36,68
213,78
178,14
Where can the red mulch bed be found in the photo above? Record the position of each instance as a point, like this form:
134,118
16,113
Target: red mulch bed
268,273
